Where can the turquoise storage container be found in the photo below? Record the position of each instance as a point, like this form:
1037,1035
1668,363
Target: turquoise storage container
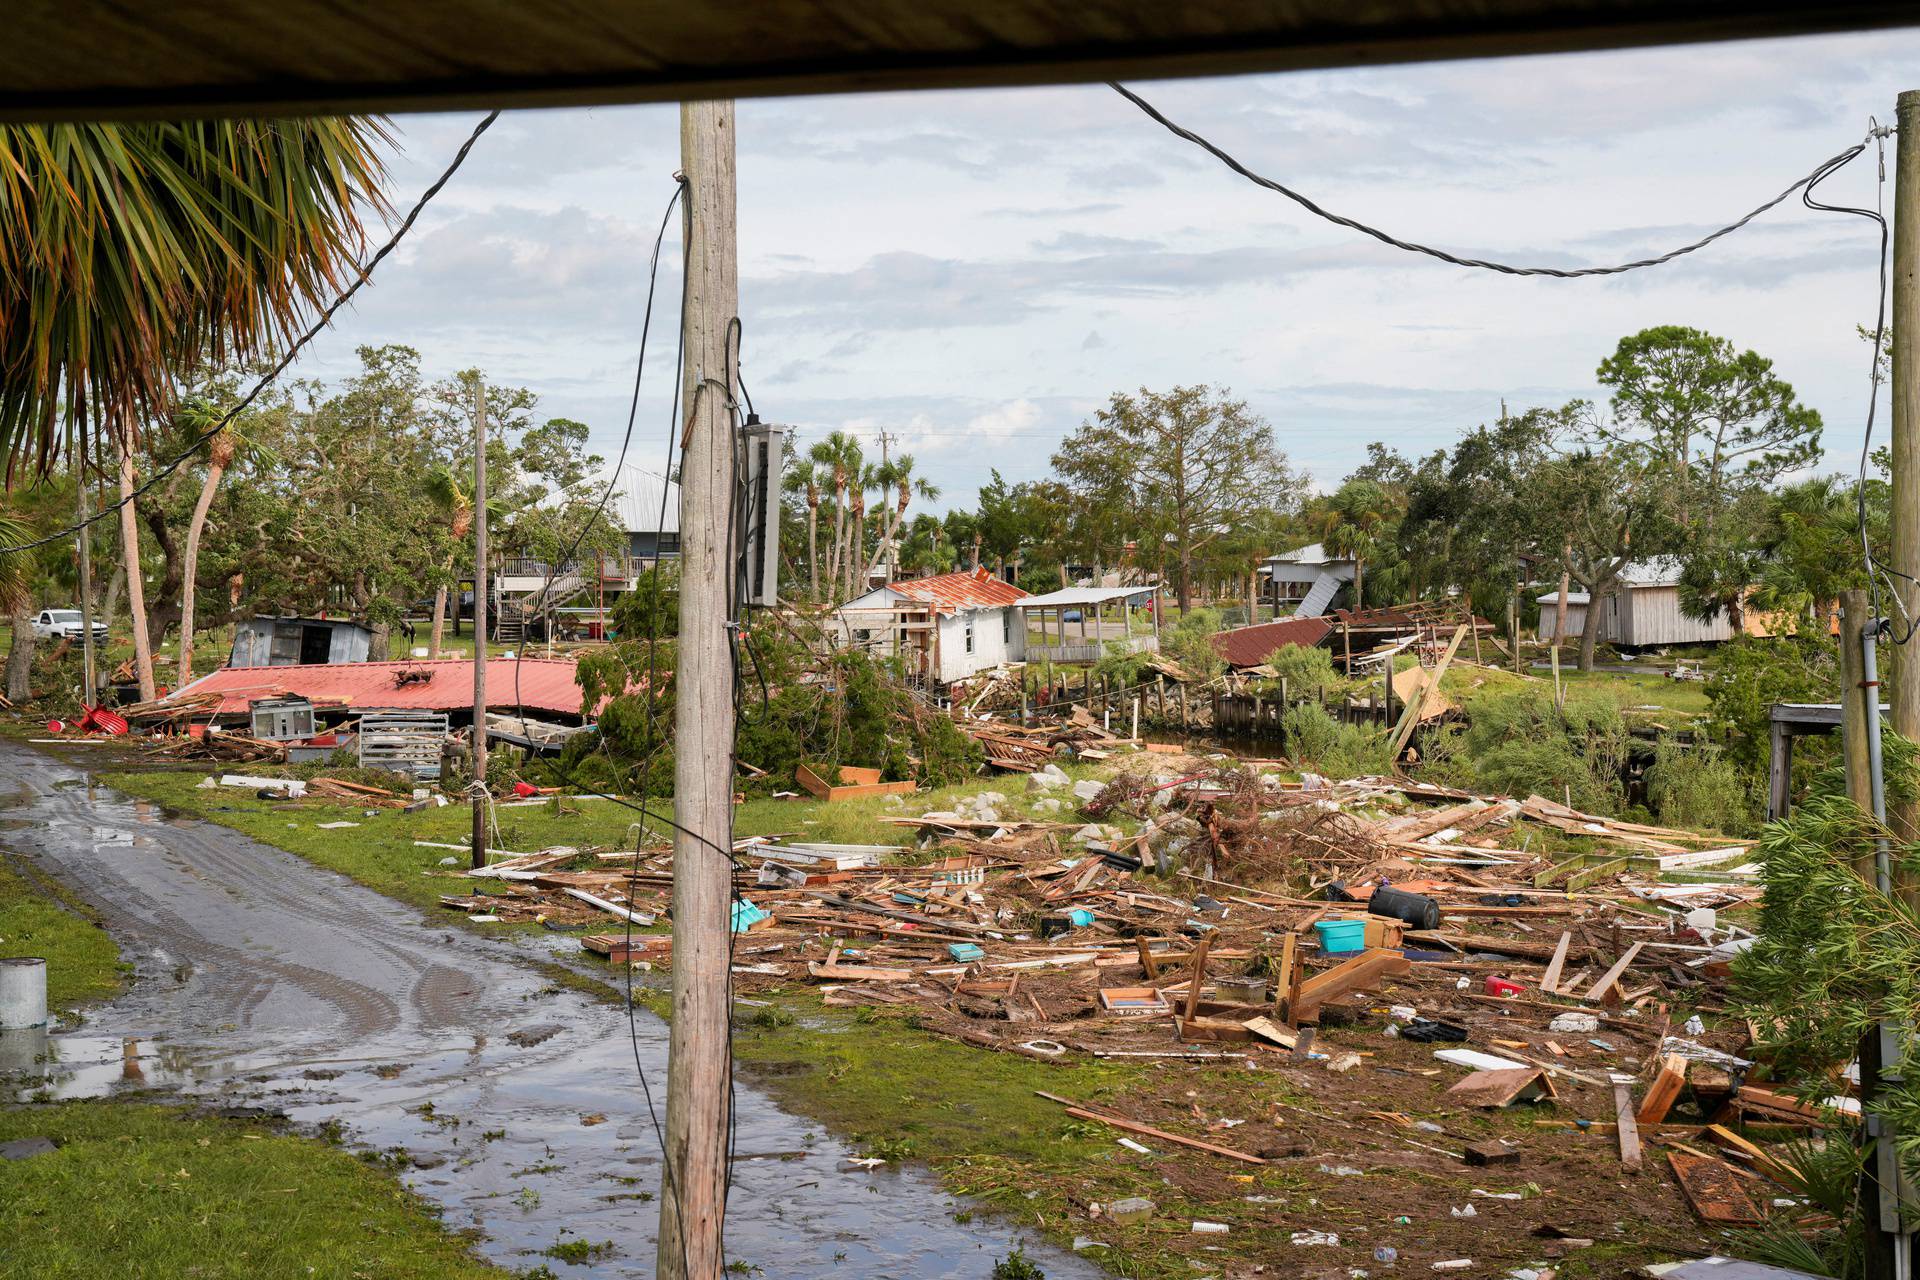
1337,936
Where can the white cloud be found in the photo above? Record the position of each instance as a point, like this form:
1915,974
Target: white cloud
976,271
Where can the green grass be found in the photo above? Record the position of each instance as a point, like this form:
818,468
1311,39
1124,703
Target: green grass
381,853
905,1094
1686,698
40,918
138,1189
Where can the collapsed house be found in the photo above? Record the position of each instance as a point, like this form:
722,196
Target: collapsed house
389,714
1357,638
1307,578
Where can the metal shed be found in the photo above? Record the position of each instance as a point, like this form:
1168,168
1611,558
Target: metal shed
295,642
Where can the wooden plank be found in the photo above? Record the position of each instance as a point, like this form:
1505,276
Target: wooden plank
1417,701
1267,1029
1551,980
1664,1090
1208,1028
1755,1154
1148,1131
1283,973
1779,1103
1600,871
1714,1190
1628,1128
1503,1088
1198,976
1361,971
836,972
1611,976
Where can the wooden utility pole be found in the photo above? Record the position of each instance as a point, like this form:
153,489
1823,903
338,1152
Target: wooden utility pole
693,1197
1905,818
479,621
1889,1250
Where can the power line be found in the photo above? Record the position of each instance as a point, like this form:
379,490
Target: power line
280,367
1824,170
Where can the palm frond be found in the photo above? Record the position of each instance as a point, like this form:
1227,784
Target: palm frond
130,252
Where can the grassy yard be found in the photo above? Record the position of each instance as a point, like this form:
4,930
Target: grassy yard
39,918
903,1093
1644,691
381,852
138,1189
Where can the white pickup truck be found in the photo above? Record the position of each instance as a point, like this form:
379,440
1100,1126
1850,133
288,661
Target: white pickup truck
52,624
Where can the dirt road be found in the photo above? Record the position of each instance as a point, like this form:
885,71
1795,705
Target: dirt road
264,980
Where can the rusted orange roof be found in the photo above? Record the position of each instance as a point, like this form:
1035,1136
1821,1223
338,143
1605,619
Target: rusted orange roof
951,592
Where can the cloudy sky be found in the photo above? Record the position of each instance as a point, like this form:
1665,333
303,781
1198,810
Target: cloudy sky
976,271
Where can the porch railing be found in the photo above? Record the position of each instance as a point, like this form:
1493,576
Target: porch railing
1090,651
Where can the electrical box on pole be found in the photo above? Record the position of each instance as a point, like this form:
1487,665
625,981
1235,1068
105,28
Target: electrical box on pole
760,555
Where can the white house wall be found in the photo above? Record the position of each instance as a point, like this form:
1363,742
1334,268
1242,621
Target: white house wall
1576,621
999,635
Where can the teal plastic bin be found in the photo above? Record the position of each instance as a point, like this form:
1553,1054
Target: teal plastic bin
1337,936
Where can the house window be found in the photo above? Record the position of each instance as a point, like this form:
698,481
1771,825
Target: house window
969,636
1006,626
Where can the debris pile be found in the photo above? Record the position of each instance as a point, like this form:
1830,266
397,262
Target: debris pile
1493,953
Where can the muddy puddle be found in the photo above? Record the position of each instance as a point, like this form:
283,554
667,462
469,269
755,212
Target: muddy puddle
262,981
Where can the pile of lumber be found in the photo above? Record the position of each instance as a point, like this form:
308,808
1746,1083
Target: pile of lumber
358,793
230,748
175,708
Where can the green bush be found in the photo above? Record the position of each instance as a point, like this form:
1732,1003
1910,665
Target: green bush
1189,642
1696,785
794,706
1337,750
1306,669
1748,676
1517,743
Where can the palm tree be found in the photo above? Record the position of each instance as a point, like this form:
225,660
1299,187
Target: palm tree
16,602
448,491
131,252
839,455
804,477
1351,526
826,457
222,449
899,475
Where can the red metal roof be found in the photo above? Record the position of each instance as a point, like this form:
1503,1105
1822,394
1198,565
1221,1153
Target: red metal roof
545,684
1251,646
947,592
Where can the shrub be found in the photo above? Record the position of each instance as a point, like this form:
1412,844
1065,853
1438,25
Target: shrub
1189,642
1307,670
1750,675
1517,743
1337,750
1697,786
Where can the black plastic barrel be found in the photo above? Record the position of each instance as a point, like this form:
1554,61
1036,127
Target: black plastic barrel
1416,909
